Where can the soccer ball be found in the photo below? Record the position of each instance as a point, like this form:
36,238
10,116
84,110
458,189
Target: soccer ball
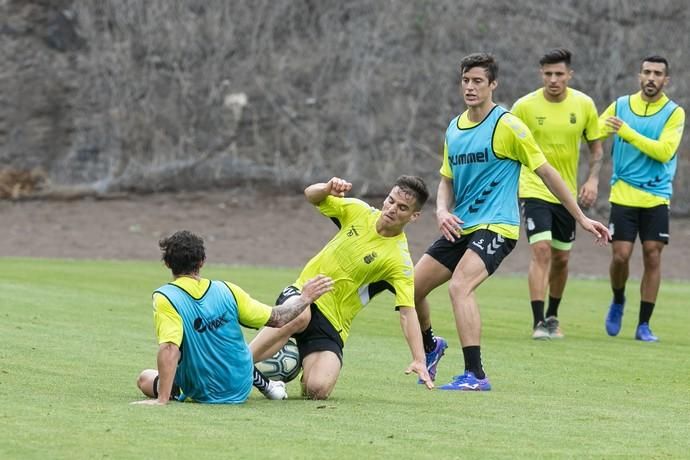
284,365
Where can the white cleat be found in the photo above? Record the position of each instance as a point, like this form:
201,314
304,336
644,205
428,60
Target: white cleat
276,390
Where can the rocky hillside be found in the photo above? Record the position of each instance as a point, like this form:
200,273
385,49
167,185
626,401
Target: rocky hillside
130,95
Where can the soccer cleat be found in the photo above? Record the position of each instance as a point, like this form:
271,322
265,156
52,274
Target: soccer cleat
276,390
614,319
434,356
554,328
644,333
467,382
540,332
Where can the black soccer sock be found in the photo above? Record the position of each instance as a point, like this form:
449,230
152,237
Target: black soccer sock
429,342
553,306
646,310
473,360
537,312
260,381
619,296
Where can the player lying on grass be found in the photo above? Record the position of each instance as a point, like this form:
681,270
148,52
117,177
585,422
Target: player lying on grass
202,354
368,255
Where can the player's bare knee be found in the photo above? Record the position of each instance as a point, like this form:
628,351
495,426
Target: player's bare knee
316,391
541,253
560,260
458,289
145,381
652,260
620,257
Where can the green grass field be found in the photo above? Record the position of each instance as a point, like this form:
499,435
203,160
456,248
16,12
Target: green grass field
75,334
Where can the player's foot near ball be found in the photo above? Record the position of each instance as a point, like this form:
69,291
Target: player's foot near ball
276,390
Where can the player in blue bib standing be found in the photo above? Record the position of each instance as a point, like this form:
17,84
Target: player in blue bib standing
477,213
647,128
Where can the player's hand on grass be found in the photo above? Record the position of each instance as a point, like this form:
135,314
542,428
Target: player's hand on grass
149,402
315,288
599,230
338,187
419,368
449,224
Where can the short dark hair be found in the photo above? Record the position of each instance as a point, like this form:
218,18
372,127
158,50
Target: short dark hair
658,59
556,56
415,186
183,252
483,60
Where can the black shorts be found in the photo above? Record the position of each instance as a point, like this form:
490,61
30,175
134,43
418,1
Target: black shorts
319,335
652,224
491,247
546,221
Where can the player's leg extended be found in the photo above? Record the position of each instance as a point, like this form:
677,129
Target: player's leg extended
429,274
468,275
486,251
320,374
270,339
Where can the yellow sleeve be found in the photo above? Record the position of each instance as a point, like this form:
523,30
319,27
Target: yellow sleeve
345,210
404,289
517,109
251,312
610,111
445,166
592,127
166,320
514,140
661,150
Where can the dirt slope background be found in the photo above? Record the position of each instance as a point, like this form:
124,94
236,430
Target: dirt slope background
244,228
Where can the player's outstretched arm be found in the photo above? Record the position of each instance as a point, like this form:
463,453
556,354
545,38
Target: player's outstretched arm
316,193
311,291
554,182
413,334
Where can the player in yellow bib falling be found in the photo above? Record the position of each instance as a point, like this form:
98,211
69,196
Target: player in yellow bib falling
559,117
368,255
